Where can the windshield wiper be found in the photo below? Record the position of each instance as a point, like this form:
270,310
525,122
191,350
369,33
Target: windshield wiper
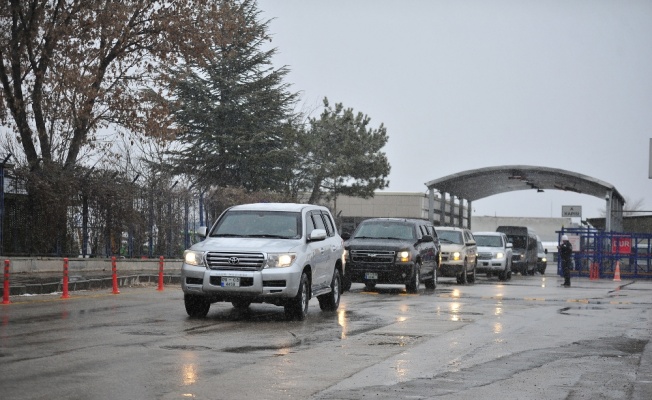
445,240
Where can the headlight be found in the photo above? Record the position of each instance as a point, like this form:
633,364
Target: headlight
192,257
500,255
456,256
403,256
280,260
543,259
522,256
345,254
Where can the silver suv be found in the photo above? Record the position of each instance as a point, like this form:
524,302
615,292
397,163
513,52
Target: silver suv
494,254
458,253
277,253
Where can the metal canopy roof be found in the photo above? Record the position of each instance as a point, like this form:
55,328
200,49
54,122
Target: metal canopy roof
484,182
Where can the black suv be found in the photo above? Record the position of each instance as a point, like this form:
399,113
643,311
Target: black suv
392,251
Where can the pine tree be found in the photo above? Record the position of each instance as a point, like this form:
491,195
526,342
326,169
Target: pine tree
234,111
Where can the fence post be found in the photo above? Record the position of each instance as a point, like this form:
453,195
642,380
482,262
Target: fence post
5,293
160,273
65,294
114,270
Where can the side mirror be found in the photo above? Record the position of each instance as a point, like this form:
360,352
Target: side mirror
470,243
346,235
545,251
426,238
509,245
317,234
202,231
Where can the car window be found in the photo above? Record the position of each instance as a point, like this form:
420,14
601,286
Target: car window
317,220
385,230
330,227
258,224
450,236
488,241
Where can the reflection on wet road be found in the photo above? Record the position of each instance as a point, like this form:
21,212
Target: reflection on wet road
524,339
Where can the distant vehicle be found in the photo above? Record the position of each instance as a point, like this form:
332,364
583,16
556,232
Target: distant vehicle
458,254
392,251
278,253
494,254
542,259
524,250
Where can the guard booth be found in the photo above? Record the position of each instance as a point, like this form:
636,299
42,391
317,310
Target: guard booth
631,252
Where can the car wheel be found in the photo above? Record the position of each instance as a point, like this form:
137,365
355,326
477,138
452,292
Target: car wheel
465,275
346,282
471,279
432,283
241,304
331,301
509,275
298,306
501,275
413,286
196,306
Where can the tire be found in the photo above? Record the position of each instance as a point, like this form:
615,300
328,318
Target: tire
415,282
432,283
297,308
509,275
471,279
241,304
502,275
465,276
331,301
346,282
196,306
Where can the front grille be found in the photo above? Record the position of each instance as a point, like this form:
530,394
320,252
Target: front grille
222,260
372,256
485,256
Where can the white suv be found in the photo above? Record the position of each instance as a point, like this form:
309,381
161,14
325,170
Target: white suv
458,253
494,254
278,253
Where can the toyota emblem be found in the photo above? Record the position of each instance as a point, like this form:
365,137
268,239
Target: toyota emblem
234,260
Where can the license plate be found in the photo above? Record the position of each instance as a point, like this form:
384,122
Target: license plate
230,281
371,275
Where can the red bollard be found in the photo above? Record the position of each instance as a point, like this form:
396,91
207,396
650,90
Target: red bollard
160,273
114,270
5,293
65,294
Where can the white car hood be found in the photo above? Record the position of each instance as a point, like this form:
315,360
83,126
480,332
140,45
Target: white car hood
268,245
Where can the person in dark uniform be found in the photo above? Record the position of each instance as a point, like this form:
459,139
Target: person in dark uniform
566,254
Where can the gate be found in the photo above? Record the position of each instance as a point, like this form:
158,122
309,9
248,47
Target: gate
631,252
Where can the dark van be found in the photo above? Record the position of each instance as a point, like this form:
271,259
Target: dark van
524,248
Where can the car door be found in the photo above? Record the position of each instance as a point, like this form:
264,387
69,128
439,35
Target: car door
427,251
320,251
471,248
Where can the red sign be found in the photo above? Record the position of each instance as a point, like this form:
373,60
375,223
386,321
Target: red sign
621,245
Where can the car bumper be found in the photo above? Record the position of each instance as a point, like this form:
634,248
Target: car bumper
383,274
494,265
451,269
254,285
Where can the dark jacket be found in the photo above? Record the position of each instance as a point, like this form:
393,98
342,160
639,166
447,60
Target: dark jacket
566,251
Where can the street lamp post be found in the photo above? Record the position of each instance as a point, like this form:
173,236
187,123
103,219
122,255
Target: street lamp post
2,201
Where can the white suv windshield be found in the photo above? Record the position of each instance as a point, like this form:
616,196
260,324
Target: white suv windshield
450,237
275,224
488,241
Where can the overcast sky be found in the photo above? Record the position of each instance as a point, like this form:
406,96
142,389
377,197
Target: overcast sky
466,84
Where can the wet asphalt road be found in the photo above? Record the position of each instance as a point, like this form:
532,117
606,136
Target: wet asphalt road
524,339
